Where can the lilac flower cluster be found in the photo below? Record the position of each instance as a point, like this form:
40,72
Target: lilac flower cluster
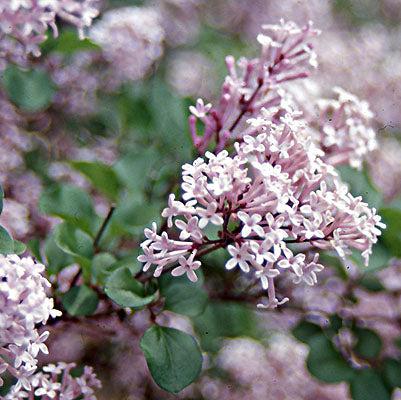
24,304
286,55
275,191
344,131
259,372
26,21
56,382
131,39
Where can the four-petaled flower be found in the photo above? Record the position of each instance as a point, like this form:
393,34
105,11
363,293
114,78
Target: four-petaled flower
240,256
201,108
187,266
251,224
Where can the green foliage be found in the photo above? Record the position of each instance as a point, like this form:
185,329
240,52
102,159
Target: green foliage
136,168
77,243
68,42
130,217
392,372
31,90
73,240
19,247
305,331
56,259
173,357
100,269
361,185
130,262
368,385
369,343
80,301
224,320
371,283
392,234
101,176
124,290
325,362
8,245
335,263
183,296
71,204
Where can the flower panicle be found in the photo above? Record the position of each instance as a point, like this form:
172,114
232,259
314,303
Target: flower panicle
252,84
275,192
24,305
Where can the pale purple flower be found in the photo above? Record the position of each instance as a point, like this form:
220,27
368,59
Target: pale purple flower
277,187
187,266
201,109
189,229
251,224
271,198
26,22
57,382
23,306
240,256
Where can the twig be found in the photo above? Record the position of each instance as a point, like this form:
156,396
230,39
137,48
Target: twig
103,228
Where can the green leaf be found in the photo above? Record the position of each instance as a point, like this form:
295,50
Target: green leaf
392,372
391,236
131,217
305,331
6,242
369,343
68,42
34,247
326,363
19,247
73,241
124,290
183,296
56,259
135,168
333,262
371,283
80,301
102,177
173,357
31,90
224,320
130,262
368,385
101,264
71,204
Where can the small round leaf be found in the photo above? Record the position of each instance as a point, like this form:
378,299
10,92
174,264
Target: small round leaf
173,357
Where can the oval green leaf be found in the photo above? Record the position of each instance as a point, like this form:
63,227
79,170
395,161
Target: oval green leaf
183,296
368,385
173,357
326,363
31,90
124,290
80,301
369,343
